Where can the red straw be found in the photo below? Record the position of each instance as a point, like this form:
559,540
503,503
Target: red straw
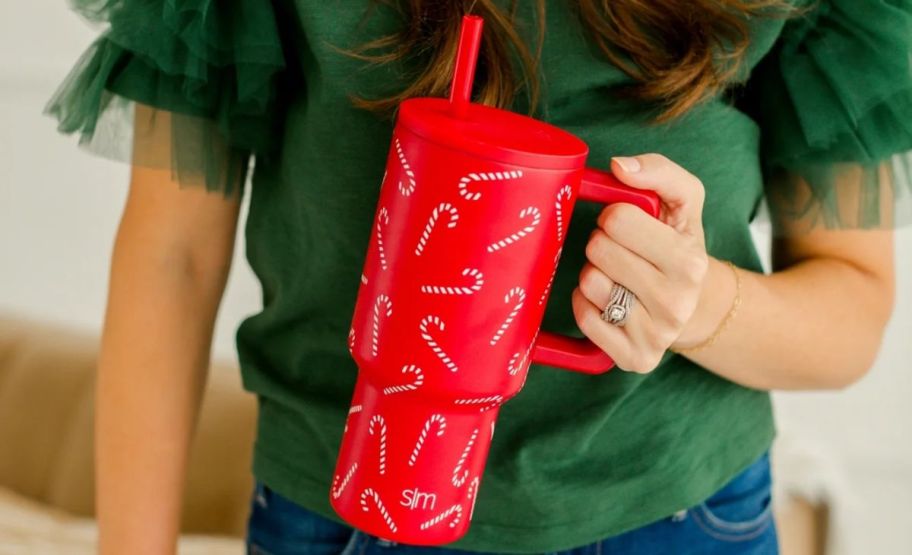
464,70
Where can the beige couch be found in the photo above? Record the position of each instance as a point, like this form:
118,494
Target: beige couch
46,479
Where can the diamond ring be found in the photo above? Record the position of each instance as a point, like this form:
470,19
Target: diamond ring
619,305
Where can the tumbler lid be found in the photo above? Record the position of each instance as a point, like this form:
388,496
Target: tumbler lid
493,133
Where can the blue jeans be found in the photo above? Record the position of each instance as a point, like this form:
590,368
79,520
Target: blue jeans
737,519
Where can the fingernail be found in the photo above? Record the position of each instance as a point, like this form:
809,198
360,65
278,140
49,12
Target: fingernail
629,165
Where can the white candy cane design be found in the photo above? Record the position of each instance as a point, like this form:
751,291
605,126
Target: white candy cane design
363,279
536,219
473,486
512,367
369,492
432,221
405,190
492,429
354,409
381,299
551,279
455,508
441,425
384,218
432,343
419,379
351,341
448,290
336,492
484,176
565,191
351,411
457,479
486,402
370,429
514,292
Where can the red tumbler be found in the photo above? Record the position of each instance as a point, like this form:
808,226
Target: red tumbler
471,219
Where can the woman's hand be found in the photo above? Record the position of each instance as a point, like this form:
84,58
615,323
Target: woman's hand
661,261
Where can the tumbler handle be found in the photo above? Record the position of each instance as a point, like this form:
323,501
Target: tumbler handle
579,353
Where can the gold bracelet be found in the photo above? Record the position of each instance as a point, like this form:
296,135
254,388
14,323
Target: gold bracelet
736,302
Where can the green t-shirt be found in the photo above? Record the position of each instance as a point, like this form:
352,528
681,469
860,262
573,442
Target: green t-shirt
576,457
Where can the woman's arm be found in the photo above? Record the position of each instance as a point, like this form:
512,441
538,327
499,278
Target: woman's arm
168,270
816,322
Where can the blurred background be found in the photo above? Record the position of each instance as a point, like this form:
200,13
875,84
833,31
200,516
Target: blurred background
842,461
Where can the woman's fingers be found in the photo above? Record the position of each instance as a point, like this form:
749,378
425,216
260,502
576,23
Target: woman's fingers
629,346
680,191
655,292
596,287
679,257
619,264
609,338
661,261
642,234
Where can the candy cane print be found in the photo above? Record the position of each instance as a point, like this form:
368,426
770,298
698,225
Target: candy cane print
514,292
513,237
432,343
551,279
432,221
384,217
473,486
512,367
484,176
337,492
369,492
370,429
565,191
381,299
486,402
406,191
351,411
530,347
351,341
363,278
449,290
441,425
459,480
419,379
455,508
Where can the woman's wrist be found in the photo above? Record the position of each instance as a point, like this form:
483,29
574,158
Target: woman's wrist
717,299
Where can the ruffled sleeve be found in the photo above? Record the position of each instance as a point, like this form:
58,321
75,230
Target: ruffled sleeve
833,99
191,85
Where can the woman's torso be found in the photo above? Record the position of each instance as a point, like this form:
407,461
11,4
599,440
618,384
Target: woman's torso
576,457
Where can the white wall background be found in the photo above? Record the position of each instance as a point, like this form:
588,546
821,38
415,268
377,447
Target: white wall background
60,205
59,208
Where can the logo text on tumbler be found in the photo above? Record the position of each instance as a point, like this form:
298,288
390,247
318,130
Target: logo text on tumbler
412,498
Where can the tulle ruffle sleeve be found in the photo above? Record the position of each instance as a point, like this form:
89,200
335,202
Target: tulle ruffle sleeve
833,100
191,85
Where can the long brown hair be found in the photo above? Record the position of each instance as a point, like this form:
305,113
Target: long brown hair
679,52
